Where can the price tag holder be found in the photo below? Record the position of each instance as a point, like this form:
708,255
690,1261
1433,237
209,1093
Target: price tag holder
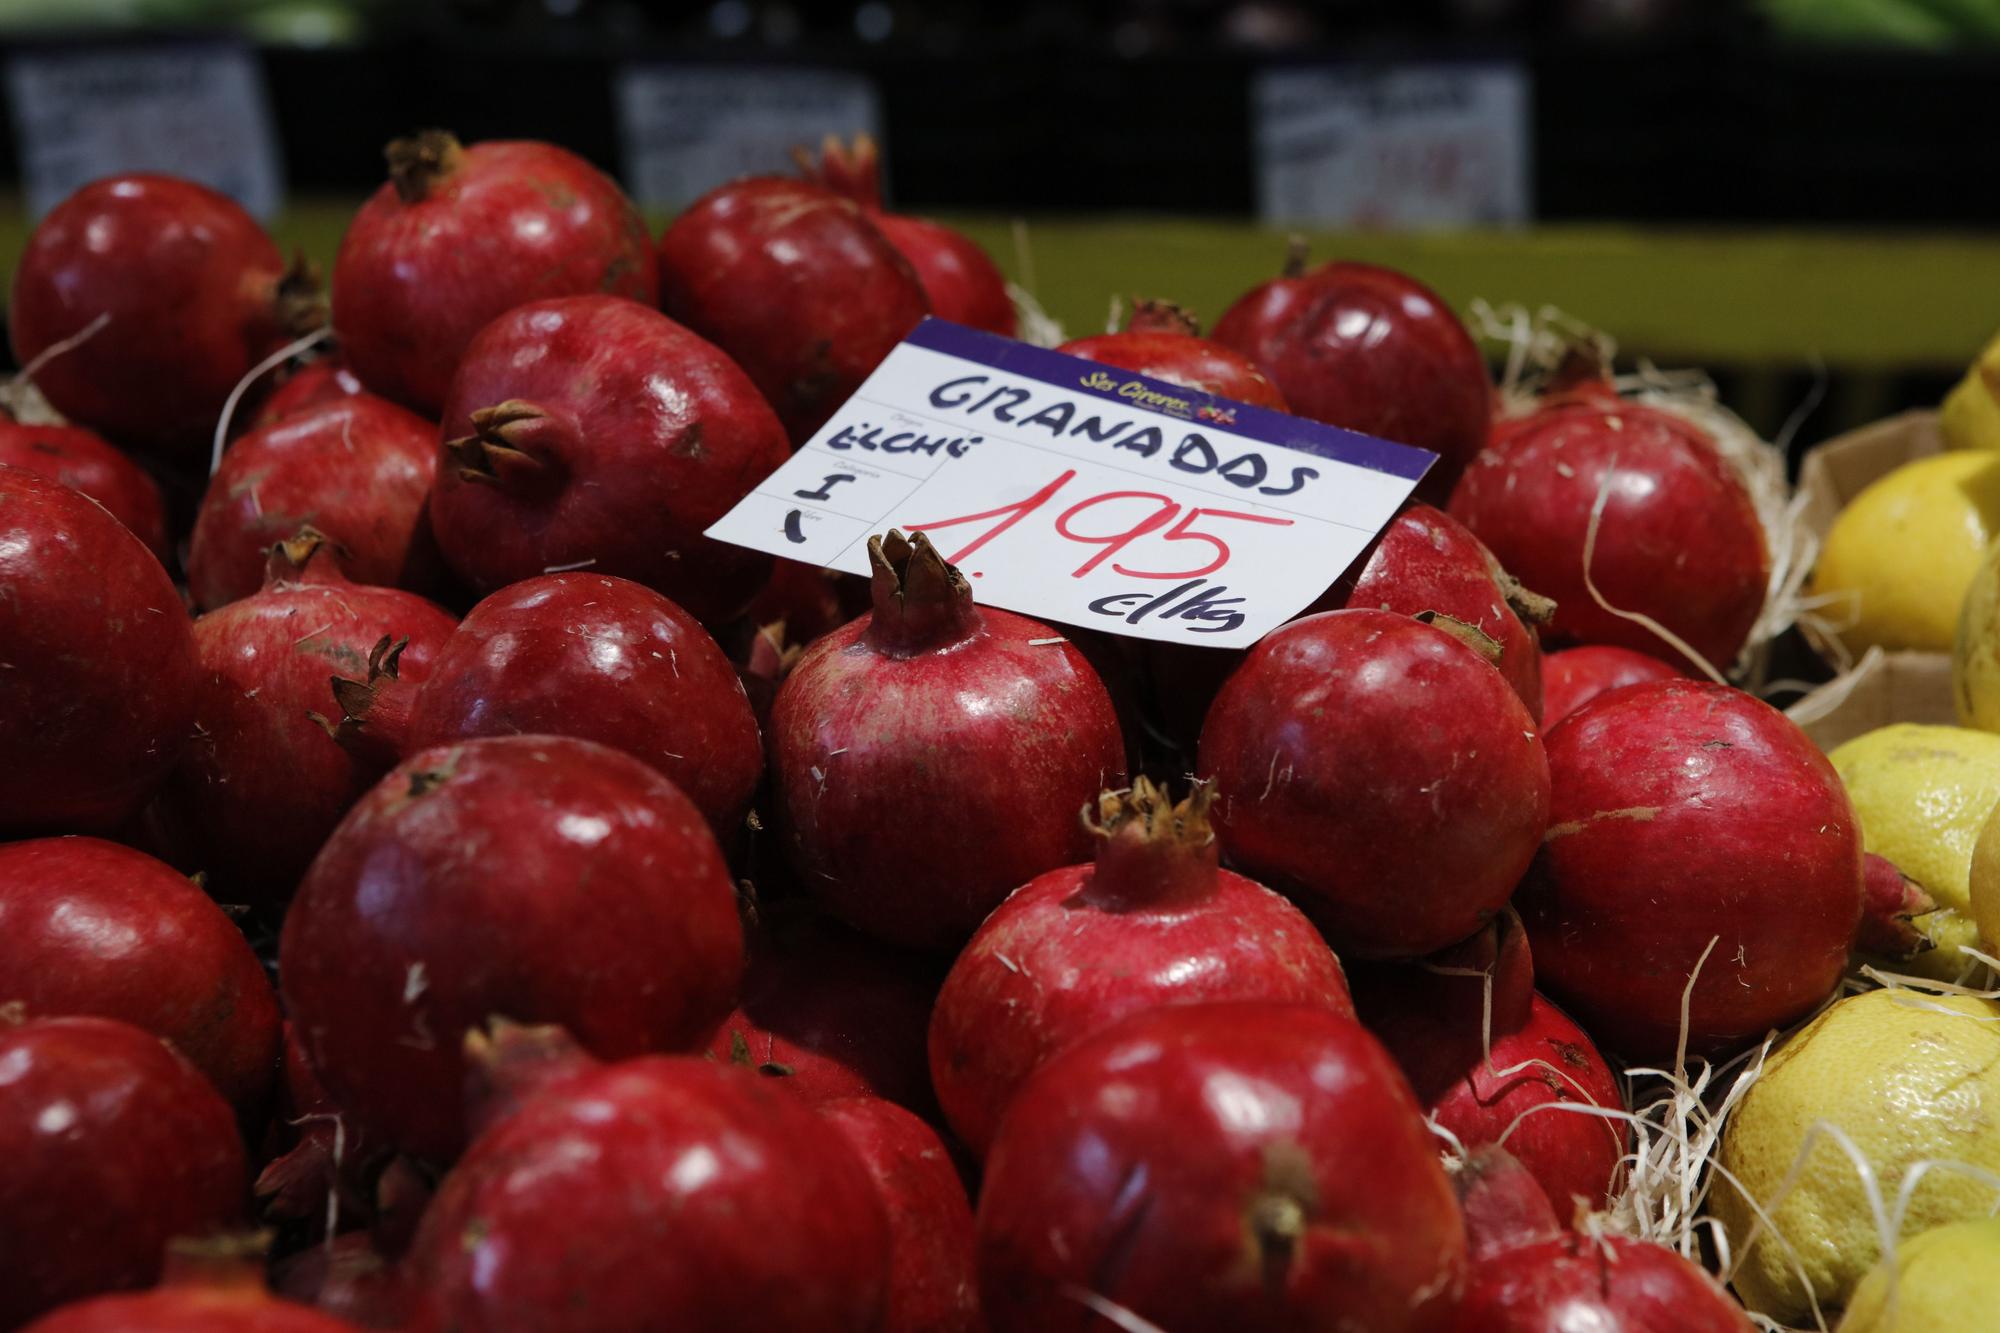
195,109
1076,492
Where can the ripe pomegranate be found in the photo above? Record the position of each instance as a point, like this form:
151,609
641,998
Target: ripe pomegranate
1678,539
932,756
1371,350
796,284
213,1286
1219,1167
1891,904
1573,677
932,1277
1152,922
458,237
110,1146
358,468
348,1278
84,461
582,655
326,380
1610,1283
960,280
1165,342
660,1192
1692,827
1382,773
540,878
594,431
90,927
98,687
1503,1205
191,294
263,784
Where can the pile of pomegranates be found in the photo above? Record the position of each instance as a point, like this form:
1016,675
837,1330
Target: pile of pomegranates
443,889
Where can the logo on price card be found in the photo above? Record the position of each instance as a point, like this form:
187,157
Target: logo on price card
1081,493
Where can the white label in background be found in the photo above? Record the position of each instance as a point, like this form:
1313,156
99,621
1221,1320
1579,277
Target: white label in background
199,111
1081,493
1402,146
687,129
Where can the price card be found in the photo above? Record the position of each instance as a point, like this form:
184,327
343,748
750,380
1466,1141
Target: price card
196,110
1404,146
689,128
1077,492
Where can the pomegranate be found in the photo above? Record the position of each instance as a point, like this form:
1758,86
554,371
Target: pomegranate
170,293
326,380
358,468
83,461
325,1155
1609,1283
1891,904
1678,538
582,655
831,1013
263,784
1382,773
90,927
960,280
594,431
796,284
541,878
1371,350
661,1192
1165,342
1573,677
1219,1167
214,1286
98,689
811,602
348,1278
458,237
932,756
1694,833
1502,1204
110,1146
932,1282
1152,922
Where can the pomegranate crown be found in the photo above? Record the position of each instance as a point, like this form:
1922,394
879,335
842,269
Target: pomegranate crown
852,169
417,163
1161,317
921,600
1146,810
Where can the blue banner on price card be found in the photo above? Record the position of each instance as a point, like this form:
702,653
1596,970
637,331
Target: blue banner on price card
1076,492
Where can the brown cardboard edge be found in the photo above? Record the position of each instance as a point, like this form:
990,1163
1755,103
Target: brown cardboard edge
1881,690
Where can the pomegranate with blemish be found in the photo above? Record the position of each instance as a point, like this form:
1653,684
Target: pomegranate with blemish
933,756
85,461
1573,677
1606,1283
1165,342
1153,921
210,1286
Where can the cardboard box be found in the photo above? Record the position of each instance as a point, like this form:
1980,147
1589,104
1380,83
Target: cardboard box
1881,689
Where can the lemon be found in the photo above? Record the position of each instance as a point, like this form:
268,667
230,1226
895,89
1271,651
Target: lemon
1909,1077
1985,882
1923,794
1975,653
1970,418
1940,1279
1897,561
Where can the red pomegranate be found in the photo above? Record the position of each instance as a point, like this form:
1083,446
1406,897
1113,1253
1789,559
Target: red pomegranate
933,1284
358,468
932,756
84,461
1371,350
592,431
214,1286
1381,772
458,237
1692,827
1891,904
1573,677
90,927
111,1145
657,1193
348,1278
1678,538
98,693
263,783
538,878
811,602
796,284
326,380
1153,922
1609,1283
171,293
960,280
1219,1167
1165,342
1502,1204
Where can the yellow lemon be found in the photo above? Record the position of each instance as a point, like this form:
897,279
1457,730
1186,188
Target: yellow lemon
1970,418
1923,794
1944,1281
1984,882
1908,1077
1897,561
1975,653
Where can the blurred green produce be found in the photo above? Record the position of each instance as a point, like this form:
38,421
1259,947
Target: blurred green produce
1921,24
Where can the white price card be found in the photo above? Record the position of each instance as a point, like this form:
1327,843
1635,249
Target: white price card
1437,145
689,128
1081,493
193,109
